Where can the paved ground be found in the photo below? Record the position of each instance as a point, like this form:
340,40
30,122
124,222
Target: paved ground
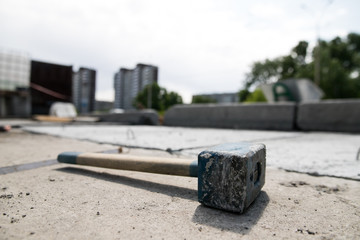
330,154
59,201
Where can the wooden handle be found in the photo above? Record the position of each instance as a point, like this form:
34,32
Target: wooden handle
170,166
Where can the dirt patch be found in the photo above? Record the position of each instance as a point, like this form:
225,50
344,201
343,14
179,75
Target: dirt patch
319,187
326,189
294,183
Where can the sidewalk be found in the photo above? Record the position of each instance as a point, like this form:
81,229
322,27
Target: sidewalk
74,202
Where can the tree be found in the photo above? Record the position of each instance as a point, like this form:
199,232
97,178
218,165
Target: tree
161,100
339,67
256,96
172,98
202,99
141,100
243,94
279,68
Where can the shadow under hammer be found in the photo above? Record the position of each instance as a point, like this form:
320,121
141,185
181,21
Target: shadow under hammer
234,222
173,191
226,221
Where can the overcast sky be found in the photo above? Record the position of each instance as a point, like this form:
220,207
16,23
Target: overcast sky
200,46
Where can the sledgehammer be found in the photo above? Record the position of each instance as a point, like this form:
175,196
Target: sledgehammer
230,176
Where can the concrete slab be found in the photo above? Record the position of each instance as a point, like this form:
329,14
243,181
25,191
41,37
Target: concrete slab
275,116
158,137
67,202
330,115
142,117
330,154
34,147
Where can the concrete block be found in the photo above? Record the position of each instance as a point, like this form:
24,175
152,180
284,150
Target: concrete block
268,116
330,115
143,117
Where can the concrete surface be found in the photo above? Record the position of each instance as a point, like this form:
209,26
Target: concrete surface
318,153
143,117
274,116
74,202
17,122
330,115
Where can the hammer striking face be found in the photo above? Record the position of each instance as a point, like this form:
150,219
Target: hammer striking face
230,176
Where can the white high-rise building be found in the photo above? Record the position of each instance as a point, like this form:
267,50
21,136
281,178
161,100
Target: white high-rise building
83,90
129,82
15,70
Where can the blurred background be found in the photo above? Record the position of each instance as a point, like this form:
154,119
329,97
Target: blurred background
135,54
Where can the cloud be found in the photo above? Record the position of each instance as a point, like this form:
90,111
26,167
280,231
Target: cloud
267,10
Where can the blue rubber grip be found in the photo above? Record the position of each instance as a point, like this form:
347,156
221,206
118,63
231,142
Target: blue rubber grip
193,169
68,157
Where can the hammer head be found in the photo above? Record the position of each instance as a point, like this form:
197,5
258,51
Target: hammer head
230,176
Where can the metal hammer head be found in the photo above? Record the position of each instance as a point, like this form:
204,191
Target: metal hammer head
230,176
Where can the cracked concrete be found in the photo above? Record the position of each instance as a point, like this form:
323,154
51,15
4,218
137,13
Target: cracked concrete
318,153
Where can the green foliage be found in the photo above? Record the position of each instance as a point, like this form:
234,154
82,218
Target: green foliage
170,99
161,100
339,67
279,68
263,72
243,94
256,96
202,99
300,51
